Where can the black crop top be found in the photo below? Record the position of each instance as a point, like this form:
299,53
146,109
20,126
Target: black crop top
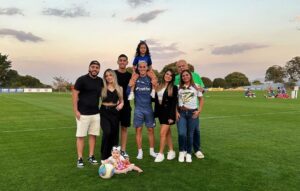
112,97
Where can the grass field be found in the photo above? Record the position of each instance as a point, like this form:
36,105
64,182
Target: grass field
249,144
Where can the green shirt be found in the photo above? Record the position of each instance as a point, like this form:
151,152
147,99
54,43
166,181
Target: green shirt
196,77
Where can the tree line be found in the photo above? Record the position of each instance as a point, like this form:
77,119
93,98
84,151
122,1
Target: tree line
288,74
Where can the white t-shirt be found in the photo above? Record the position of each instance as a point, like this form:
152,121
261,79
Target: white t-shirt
188,97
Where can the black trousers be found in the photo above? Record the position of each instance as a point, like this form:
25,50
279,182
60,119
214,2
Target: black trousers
110,130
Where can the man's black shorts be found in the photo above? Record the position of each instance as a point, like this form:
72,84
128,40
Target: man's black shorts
125,116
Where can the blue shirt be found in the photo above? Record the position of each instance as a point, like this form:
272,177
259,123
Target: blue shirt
145,58
142,92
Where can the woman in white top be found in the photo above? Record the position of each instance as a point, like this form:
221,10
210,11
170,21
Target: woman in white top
187,114
165,110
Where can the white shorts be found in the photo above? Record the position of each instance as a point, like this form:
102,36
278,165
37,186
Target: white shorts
88,124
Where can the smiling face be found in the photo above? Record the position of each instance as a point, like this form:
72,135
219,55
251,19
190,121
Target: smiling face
122,62
143,49
168,76
109,77
181,66
186,77
142,68
94,70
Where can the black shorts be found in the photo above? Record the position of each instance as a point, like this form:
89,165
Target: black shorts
163,116
125,116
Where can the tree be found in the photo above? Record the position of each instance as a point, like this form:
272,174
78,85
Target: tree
276,74
60,84
256,82
29,81
5,66
173,67
292,68
207,82
219,83
236,79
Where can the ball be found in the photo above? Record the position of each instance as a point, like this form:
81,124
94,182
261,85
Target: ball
106,171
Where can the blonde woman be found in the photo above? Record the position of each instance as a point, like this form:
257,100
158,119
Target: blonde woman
112,103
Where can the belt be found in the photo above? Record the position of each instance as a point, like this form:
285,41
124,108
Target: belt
108,107
182,108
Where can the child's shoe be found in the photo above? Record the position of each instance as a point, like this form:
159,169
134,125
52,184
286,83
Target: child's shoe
131,96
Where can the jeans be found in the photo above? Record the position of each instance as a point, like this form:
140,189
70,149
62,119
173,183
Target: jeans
186,126
196,141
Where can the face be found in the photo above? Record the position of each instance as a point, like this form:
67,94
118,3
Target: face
186,77
122,62
143,49
94,70
115,154
142,68
109,77
168,76
182,65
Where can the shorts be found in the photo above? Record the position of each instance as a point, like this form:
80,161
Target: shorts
143,115
125,116
88,124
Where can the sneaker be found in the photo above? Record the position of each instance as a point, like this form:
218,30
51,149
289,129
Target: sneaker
80,163
92,160
153,154
153,94
159,158
171,155
199,155
181,156
124,154
140,155
131,96
188,158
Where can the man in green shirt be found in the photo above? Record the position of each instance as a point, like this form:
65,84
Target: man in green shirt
181,66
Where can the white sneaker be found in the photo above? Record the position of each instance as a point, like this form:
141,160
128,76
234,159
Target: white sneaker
153,94
153,154
188,158
199,155
159,158
140,155
181,156
171,155
131,96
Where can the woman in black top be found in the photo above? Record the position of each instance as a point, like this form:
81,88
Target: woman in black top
165,110
112,102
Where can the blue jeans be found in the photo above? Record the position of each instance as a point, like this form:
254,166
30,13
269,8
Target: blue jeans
196,142
186,126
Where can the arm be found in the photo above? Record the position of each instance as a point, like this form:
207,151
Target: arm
75,103
197,113
121,101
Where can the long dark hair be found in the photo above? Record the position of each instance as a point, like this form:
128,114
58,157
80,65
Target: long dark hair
192,83
137,53
170,85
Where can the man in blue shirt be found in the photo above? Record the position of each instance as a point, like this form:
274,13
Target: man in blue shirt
143,112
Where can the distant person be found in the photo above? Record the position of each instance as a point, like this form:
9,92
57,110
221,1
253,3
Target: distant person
112,103
143,111
125,113
188,114
143,55
165,110
85,97
181,66
249,93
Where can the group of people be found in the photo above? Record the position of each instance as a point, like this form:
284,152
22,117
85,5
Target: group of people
280,93
178,99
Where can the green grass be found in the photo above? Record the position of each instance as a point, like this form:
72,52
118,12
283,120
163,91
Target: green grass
249,144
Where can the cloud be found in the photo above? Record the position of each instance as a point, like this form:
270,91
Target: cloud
137,3
146,17
236,48
20,35
113,15
11,11
71,13
163,52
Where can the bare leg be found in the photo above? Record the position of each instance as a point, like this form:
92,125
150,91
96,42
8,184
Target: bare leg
138,137
92,143
169,140
80,146
163,136
151,137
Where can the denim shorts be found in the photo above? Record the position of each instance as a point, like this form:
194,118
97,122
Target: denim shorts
143,115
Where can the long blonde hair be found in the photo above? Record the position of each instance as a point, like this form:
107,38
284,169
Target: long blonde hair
115,85
163,83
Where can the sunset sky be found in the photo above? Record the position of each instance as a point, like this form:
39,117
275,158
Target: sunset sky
50,38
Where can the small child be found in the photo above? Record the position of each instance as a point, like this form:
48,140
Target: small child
143,54
121,164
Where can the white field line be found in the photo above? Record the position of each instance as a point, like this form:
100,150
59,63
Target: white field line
30,130
213,117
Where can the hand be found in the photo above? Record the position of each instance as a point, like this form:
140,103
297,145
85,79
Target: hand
77,115
170,121
196,114
120,106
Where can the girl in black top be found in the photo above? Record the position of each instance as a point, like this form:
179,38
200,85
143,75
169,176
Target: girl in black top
112,102
165,110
